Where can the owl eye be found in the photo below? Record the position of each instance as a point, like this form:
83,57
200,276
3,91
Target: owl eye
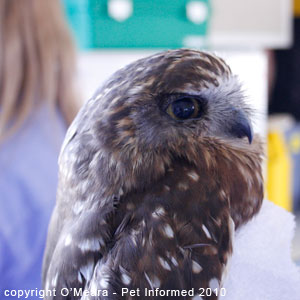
184,108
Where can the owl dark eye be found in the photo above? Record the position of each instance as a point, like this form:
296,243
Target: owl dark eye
184,108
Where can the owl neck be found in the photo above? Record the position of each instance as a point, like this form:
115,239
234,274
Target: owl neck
110,175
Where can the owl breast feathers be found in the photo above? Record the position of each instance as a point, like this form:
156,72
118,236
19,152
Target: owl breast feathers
157,171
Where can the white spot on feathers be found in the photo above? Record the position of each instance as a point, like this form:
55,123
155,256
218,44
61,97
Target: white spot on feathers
193,175
54,280
196,267
102,272
156,282
68,240
164,263
172,258
160,211
168,231
103,222
125,279
130,206
79,277
148,280
167,188
207,233
136,90
87,270
214,284
104,282
174,261
223,194
183,251
134,235
91,244
182,186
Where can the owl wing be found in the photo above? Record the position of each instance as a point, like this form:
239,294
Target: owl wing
78,238
78,231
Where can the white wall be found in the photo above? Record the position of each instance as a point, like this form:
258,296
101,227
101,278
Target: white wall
251,24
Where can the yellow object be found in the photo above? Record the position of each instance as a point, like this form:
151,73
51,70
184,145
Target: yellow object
279,171
294,143
297,8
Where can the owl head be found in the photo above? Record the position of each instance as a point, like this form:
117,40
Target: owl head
167,99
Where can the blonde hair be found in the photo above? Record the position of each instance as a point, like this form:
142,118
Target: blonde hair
37,61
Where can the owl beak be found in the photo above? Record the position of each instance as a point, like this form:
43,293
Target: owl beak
242,127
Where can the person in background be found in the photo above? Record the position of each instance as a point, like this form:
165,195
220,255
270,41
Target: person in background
285,73
284,111
37,102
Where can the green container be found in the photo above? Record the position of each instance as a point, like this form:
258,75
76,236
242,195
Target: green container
156,23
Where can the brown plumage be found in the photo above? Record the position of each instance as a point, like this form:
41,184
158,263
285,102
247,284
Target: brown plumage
156,172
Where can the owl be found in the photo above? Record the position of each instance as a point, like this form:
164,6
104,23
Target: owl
157,171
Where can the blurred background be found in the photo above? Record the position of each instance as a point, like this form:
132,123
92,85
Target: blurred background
259,39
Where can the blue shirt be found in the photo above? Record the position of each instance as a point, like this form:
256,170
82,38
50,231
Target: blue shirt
28,181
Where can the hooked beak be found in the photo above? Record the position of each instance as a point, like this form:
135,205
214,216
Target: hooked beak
241,127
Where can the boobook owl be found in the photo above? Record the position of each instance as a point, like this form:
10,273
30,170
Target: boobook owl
158,170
